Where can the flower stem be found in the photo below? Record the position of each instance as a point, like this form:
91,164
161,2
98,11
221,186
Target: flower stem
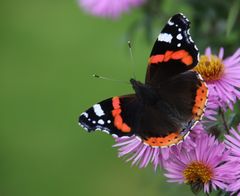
221,112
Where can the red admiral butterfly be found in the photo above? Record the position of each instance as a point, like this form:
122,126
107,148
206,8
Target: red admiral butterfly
172,100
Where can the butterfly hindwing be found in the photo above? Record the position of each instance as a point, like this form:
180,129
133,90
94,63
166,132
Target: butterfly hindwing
173,52
180,105
173,109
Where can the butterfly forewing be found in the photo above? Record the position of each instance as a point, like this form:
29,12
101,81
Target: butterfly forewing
174,51
115,116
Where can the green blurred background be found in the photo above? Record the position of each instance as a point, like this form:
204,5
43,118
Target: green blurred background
48,51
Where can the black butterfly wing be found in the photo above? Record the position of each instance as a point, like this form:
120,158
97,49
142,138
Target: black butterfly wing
174,51
181,104
116,116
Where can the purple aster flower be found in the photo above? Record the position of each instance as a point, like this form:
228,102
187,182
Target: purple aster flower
222,76
139,153
109,8
233,143
197,132
211,110
134,150
204,167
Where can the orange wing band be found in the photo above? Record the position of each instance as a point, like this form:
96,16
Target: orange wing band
181,55
116,113
200,101
171,139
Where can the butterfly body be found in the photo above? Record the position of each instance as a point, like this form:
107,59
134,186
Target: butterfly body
145,94
163,110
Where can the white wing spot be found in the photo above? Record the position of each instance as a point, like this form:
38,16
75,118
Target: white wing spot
185,136
138,138
105,131
179,36
190,39
165,37
179,29
101,122
180,142
98,110
170,23
194,124
114,135
195,47
85,114
83,127
89,119
179,44
124,137
109,121
94,122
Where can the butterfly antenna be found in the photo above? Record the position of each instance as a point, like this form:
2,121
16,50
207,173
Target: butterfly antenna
131,55
110,79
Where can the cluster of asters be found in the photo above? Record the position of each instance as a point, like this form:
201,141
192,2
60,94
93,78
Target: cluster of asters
202,161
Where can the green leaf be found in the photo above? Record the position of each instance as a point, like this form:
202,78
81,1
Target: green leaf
232,17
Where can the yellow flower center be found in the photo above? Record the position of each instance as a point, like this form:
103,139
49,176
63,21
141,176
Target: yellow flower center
210,67
197,172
